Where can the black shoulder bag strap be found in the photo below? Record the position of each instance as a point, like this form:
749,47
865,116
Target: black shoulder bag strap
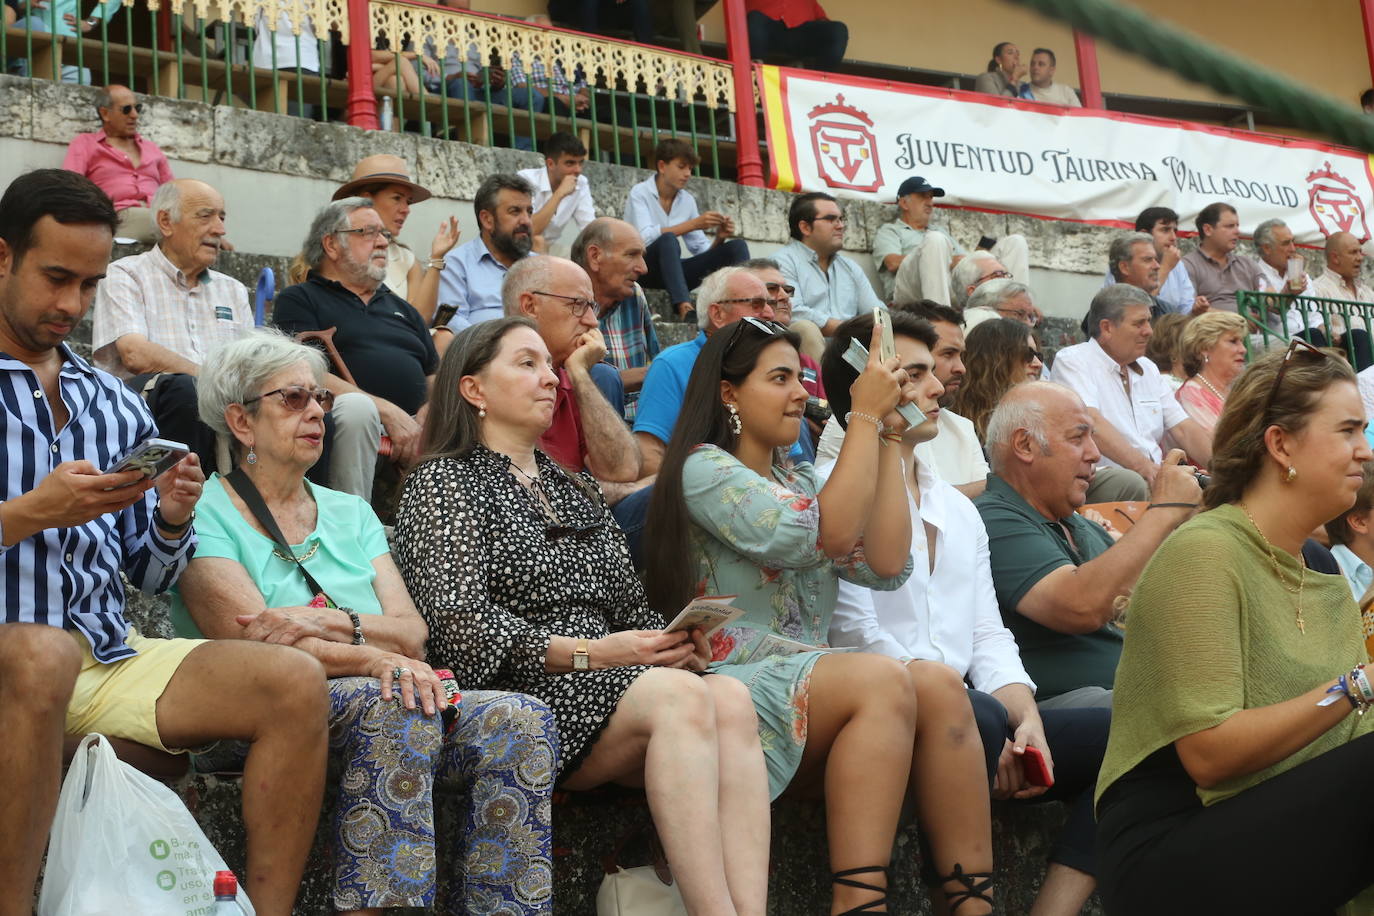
248,492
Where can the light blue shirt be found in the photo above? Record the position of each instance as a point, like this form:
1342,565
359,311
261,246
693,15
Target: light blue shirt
839,293
660,398
1177,292
472,281
645,213
1358,574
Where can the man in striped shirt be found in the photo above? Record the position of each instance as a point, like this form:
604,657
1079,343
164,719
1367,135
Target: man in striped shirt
69,662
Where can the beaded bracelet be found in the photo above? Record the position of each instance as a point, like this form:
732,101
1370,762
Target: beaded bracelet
1355,687
854,414
358,637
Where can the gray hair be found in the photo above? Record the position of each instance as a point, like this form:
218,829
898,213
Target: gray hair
167,197
598,232
965,274
1111,303
1121,250
233,372
1021,408
712,290
754,265
492,186
332,218
994,292
1264,232
533,272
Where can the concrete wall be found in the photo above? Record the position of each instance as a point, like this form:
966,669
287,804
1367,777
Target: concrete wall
275,171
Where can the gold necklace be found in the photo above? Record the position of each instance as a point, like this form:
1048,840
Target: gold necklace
288,557
1274,561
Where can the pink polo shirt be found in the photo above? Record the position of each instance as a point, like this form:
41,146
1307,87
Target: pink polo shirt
93,156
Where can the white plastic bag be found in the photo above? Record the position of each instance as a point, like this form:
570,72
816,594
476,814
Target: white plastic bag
122,842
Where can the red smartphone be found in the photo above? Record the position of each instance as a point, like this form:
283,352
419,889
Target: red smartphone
1033,765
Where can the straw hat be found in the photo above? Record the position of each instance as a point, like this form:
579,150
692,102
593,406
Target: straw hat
378,171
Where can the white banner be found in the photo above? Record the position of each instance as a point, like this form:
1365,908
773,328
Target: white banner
860,138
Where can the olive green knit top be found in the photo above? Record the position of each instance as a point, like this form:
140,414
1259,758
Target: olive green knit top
1212,630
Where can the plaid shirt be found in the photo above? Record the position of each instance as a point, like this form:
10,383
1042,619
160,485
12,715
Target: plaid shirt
630,340
540,73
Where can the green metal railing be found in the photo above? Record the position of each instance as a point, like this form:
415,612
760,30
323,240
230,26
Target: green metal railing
1275,317
171,51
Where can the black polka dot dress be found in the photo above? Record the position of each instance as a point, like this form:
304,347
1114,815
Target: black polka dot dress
495,578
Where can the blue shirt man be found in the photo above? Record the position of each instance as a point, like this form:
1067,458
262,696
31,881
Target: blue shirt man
474,271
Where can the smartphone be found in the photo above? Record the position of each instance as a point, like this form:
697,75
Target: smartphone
443,315
886,348
154,457
1033,765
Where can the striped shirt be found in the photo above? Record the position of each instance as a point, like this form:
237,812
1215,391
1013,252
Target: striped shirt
69,577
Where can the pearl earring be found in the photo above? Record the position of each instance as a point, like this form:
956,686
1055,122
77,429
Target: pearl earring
481,413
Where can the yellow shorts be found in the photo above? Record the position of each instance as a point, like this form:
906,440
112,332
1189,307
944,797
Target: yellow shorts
120,699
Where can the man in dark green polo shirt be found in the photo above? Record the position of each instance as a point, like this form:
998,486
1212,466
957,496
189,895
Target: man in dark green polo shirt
1058,575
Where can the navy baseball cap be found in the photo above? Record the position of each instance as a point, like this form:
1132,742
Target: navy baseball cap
918,185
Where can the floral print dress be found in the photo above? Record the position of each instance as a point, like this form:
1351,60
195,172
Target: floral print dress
758,539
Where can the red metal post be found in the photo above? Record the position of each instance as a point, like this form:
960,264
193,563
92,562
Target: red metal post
1089,83
362,102
749,161
1367,15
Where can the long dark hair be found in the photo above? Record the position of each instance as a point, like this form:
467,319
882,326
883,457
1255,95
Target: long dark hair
670,562
995,362
452,428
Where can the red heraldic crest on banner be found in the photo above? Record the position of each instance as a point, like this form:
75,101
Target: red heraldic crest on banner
1334,204
846,149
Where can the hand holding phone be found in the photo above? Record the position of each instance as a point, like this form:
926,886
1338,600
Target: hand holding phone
1033,766
153,457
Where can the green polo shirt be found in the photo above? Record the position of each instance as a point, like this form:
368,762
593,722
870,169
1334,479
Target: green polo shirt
1025,547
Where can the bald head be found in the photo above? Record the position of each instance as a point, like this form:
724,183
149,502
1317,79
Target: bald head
557,295
1344,255
741,292
190,218
1040,441
611,251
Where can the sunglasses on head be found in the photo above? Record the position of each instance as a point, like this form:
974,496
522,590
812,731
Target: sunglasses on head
1296,347
771,328
296,397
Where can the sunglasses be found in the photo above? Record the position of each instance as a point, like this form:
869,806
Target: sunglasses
296,397
835,218
757,302
369,232
126,109
1032,355
785,289
577,304
1296,347
771,328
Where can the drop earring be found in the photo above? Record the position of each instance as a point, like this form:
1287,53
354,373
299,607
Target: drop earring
1292,474
252,457
736,426
481,413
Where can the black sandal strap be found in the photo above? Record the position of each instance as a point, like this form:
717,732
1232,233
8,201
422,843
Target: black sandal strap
844,878
977,885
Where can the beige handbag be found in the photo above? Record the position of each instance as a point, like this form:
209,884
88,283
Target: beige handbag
645,890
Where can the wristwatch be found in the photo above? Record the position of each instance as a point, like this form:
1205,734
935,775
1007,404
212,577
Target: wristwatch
581,658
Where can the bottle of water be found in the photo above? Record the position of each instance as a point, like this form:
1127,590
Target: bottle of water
385,117
226,895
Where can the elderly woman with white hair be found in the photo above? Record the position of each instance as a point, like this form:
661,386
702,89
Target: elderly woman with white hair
282,560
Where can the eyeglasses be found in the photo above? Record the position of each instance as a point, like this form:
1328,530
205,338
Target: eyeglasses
577,304
369,232
558,531
1018,314
758,302
771,328
1296,346
785,289
125,109
835,218
296,397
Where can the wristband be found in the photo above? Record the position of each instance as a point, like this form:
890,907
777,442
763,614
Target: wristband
435,263
854,414
176,530
357,621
